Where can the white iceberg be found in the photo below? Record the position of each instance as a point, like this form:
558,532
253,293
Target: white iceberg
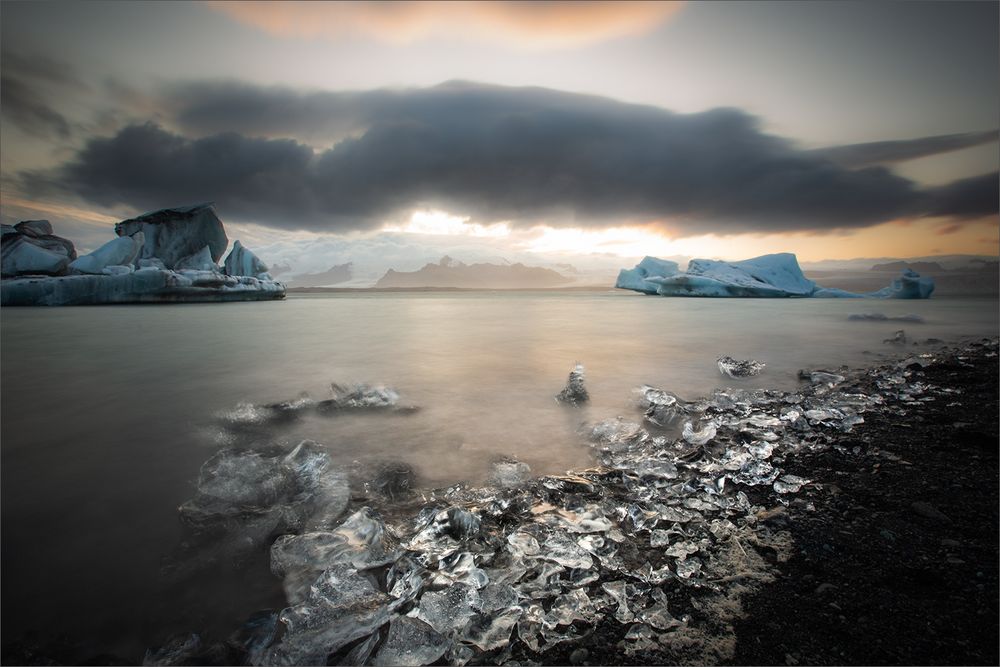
777,275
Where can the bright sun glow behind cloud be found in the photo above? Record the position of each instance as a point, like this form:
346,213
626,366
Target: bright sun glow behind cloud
444,224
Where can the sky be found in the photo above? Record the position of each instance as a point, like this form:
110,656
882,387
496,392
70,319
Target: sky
587,133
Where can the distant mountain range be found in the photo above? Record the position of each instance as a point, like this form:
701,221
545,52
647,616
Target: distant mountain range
451,273
919,267
340,273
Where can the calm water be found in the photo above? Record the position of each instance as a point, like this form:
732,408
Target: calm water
108,412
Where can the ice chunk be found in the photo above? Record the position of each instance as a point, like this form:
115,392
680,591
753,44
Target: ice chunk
448,610
122,250
898,338
739,368
242,262
909,285
489,632
26,254
360,541
789,484
360,396
617,434
509,473
342,605
699,437
562,549
410,641
574,392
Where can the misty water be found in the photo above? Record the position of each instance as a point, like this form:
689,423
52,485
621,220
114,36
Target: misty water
108,413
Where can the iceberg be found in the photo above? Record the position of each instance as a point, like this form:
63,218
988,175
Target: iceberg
776,275
168,256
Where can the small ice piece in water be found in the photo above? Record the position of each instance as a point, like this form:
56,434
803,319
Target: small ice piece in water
510,473
360,396
739,368
410,641
618,434
790,484
821,377
898,338
574,392
699,437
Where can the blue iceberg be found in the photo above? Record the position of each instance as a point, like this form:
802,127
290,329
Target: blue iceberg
777,275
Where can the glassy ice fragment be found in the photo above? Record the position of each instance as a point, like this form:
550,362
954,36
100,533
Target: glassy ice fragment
688,568
572,606
574,392
564,550
756,472
790,484
739,368
699,437
491,631
342,606
655,468
510,473
522,544
410,641
616,589
681,550
659,538
360,396
449,609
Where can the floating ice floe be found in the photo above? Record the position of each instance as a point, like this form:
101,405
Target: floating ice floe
776,275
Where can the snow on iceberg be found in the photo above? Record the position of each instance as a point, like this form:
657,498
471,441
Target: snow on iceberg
777,275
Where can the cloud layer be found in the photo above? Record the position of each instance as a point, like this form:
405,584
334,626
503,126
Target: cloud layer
530,24
523,155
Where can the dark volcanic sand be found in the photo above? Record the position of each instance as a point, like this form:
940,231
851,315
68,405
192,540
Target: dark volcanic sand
895,547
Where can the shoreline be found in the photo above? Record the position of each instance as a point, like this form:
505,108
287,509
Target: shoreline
748,583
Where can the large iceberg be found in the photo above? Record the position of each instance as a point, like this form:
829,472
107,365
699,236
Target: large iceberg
166,256
777,275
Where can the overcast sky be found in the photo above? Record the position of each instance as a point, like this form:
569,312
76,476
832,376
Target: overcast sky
588,131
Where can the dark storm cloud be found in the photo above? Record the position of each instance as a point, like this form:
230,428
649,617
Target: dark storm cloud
521,154
24,82
887,152
974,197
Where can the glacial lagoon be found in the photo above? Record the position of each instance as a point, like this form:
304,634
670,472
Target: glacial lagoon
109,412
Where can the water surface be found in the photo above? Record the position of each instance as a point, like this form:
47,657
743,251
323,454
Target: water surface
108,412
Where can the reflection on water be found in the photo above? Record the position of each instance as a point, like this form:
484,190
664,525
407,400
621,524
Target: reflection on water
108,413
